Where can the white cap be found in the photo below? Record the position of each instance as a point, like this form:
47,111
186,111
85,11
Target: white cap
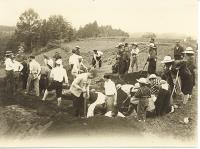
167,59
118,86
59,62
152,76
189,50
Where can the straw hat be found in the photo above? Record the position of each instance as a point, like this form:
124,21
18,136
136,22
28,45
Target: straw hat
142,81
167,59
152,76
189,50
134,43
77,47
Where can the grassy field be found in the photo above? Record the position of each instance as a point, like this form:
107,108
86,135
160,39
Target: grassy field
160,131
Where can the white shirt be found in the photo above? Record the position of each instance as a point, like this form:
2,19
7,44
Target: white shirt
9,64
58,74
135,51
34,67
98,54
74,59
126,88
17,66
110,88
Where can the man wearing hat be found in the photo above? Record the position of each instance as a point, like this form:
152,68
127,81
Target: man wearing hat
34,76
9,73
77,48
97,58
142,94
17,68
152,58
134,55
80,92
58,76
24,72
191,64
178,51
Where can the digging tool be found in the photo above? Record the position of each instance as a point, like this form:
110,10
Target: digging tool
143,68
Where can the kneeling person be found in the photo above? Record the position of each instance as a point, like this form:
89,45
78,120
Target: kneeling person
57,74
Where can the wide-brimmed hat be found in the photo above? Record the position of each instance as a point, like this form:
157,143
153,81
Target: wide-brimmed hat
142,80
59,62
152,76
77,47
167,59
188,50
8,53
152,45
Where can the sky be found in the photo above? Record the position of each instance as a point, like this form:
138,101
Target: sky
158,16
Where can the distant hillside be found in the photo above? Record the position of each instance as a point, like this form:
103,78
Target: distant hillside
7,28
161,35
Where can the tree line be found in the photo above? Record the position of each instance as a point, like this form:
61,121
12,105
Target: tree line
35,33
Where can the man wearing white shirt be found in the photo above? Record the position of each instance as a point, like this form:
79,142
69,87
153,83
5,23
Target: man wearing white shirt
111,94
9,73
74,59
58,76
134,56
48,61
17,68
97,58
34,75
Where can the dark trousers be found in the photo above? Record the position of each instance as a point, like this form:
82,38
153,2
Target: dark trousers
9,82
24,79
94,62
152,66
43,84
142,108
78,104
162,104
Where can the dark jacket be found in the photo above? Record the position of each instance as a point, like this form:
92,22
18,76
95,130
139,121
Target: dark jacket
178,52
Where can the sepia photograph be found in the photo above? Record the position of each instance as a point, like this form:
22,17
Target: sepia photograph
99,73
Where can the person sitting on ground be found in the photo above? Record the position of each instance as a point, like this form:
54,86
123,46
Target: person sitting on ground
97,58
142,94
79,90
58,76
134,55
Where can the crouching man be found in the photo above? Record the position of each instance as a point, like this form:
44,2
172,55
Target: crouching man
57,75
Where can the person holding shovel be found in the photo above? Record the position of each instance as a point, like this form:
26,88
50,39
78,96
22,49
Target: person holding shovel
80,90
97,58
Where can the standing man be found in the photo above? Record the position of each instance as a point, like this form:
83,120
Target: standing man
80,90
73,59
134,55
178,51
24,72
58,75
34,76
111,94
77,48
9,73
152,58
97,58
127,56
17,68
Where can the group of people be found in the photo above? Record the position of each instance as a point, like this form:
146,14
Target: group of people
149,96
127,56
